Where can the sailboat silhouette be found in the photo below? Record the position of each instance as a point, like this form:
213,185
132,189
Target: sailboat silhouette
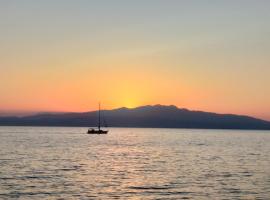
98,130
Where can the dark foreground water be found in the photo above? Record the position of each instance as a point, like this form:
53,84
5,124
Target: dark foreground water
66,163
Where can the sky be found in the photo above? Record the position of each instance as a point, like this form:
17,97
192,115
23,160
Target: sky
62,56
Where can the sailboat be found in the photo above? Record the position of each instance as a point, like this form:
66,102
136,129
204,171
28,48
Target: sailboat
98,130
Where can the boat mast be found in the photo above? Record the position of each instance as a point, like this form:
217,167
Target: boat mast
99,116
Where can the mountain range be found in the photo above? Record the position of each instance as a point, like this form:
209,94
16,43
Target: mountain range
157,116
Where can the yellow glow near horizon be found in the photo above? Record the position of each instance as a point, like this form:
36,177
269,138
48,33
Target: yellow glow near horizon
110,53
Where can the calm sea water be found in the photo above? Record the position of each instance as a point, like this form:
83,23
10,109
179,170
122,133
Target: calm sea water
66,163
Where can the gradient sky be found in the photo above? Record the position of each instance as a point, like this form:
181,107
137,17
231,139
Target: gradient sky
68,55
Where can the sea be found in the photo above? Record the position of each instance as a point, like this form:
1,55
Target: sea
133,163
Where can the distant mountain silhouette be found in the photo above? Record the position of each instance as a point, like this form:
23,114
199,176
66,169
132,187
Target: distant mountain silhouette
157,116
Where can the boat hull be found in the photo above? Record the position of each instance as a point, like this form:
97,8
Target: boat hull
97,132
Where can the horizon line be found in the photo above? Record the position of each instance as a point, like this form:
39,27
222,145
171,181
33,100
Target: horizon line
21,113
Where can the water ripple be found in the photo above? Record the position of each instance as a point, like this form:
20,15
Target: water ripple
63,163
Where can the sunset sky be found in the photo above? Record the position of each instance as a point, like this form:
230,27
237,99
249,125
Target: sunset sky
68,55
